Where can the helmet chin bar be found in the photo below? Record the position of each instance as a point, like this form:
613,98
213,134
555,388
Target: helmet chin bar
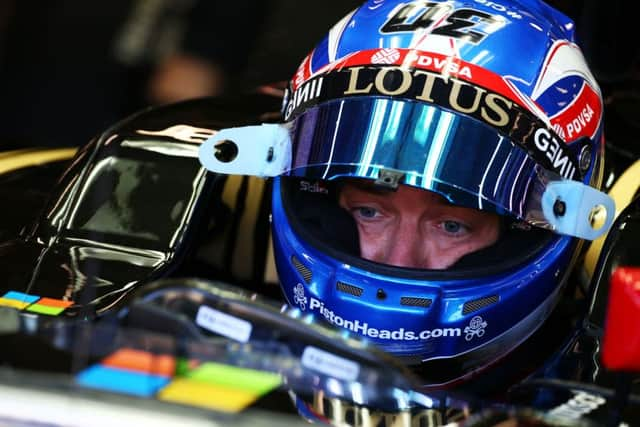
566,207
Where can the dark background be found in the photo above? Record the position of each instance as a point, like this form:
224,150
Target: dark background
70,68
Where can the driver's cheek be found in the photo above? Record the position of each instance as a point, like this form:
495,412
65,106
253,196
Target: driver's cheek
445,253
374,241
451,250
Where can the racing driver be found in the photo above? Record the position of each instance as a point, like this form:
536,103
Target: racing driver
436,172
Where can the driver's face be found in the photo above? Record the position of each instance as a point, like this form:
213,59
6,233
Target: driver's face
414,228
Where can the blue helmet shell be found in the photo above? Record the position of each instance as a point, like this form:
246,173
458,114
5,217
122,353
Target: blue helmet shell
526,51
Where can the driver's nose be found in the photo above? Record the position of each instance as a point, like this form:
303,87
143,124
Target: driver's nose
406,248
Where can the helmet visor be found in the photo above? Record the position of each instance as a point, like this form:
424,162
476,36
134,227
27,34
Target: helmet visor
399,141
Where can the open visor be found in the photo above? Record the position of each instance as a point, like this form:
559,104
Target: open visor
404,142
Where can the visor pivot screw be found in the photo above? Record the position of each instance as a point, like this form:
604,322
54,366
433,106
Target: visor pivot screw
225,151
559,208
584,161
597,217
381,294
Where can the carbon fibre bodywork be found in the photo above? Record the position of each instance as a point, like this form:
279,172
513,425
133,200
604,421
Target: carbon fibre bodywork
129,208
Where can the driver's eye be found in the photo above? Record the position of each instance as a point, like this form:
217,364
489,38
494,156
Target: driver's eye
366,211
452,226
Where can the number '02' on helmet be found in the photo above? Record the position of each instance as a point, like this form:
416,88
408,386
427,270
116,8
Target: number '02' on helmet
484,106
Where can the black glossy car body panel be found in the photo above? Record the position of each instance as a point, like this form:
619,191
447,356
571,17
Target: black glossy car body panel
127,208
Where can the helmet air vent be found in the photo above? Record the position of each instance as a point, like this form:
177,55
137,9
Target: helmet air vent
416,301
302,269
349,289
477,304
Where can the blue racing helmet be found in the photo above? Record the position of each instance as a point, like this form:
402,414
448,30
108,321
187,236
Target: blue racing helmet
492,107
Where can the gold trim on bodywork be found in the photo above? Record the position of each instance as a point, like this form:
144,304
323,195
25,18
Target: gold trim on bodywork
18,159
622,192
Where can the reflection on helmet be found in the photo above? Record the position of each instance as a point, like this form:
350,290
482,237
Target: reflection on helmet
438,117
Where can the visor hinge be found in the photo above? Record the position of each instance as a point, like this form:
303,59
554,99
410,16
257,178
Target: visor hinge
259,150
389,178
